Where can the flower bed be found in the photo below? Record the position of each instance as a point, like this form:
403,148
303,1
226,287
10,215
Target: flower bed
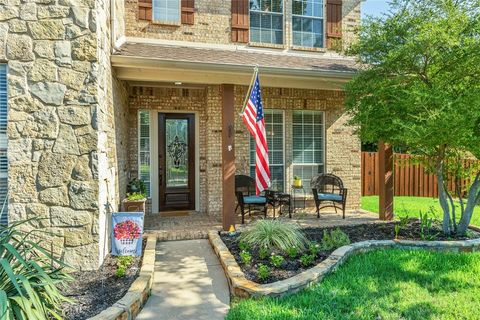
264,269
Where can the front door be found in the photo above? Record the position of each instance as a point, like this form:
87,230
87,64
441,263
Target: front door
176,151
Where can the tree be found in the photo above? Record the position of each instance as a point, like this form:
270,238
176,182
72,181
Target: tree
419,88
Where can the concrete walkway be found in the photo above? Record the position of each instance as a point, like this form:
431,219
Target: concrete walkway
189,283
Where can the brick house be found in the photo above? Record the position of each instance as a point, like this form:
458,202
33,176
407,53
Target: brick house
101,92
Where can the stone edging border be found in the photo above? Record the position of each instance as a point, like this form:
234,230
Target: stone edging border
241,287
130,305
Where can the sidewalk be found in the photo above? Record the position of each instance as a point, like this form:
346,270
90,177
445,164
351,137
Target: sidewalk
189,283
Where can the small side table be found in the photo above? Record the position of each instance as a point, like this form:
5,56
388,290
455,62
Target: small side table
293,191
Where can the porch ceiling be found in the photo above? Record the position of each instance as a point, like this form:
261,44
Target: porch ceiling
164,63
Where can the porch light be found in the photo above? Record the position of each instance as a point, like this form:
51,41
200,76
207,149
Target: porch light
178,83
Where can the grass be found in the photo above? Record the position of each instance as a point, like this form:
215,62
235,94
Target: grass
393,284
412,206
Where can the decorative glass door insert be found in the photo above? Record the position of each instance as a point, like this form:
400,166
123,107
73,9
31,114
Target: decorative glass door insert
176,136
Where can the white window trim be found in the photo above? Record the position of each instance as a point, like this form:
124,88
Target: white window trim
285,180
166,22
284,31
324,17
324,138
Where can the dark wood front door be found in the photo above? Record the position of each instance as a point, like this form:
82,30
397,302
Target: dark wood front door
176,152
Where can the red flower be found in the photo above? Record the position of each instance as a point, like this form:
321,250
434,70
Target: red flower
127,229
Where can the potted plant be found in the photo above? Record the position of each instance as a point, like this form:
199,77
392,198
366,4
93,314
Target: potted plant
136,196
297,182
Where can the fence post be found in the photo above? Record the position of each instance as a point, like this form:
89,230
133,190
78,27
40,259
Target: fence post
385,179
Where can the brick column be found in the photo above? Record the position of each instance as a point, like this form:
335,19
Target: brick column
228,156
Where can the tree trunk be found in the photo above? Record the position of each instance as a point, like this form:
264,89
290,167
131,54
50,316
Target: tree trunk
442,197
473,200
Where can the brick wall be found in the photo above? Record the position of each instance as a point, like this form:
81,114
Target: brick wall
342,146
212,23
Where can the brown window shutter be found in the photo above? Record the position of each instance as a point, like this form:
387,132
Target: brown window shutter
188,11
240,20
145,10
334,22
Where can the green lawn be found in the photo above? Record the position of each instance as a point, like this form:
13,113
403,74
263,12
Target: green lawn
412,206
392,284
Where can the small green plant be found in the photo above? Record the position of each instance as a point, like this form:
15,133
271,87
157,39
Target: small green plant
136,196
426,226
399,226
123,262
243,246
314,248
263,253
274,234
334,239
276,260
246,257
136,186
307,259
263,271
292,252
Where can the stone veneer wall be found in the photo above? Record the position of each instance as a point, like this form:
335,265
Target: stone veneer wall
342,146
60,122
212,23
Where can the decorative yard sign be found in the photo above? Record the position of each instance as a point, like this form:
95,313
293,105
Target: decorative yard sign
127,230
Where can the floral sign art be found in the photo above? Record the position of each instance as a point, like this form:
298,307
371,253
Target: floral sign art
127,233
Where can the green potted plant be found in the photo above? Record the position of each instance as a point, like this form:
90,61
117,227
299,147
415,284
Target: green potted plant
136,196
297,182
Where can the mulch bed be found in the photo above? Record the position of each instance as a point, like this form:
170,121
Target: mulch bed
357,233
95,291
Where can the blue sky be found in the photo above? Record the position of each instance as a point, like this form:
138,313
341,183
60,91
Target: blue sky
374,7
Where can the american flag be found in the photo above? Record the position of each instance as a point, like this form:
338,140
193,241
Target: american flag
254,119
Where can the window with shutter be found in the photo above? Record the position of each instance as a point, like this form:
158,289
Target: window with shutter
240,21
188,9
166,11
307,23
334,23
3,145
275,128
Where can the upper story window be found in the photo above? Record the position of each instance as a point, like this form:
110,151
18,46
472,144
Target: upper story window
307,23
166,11
266,21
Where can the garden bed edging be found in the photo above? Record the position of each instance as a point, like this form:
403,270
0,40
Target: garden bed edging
128,307
241,287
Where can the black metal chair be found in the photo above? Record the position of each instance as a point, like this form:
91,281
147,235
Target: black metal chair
245,193
329,188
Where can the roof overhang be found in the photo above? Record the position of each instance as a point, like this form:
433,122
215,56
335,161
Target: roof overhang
151,69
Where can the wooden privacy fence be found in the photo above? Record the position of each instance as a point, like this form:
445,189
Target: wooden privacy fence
411,179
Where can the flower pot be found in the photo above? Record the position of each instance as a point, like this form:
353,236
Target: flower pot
297,183
134,205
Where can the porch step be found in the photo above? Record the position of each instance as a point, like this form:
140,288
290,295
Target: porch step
173,235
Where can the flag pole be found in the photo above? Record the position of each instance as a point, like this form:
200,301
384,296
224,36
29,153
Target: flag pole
255,73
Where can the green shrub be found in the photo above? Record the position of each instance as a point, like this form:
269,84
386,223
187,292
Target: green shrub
136,196
274,234
314,248
246,257
334,239
276,260
307,259
292,252
243,246
123,262
30,276
263,272
263,253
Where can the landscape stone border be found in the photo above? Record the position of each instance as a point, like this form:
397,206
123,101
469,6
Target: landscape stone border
137,295
241,287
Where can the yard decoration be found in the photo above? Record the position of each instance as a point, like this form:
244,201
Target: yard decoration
419,88
127,234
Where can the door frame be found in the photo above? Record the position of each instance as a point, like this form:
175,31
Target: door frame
154,165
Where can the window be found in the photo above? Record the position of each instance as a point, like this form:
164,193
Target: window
307,23
166,11
308,144
274,128
3,146
144,149
266,21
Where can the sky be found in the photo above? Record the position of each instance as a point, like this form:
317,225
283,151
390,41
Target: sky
374,7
